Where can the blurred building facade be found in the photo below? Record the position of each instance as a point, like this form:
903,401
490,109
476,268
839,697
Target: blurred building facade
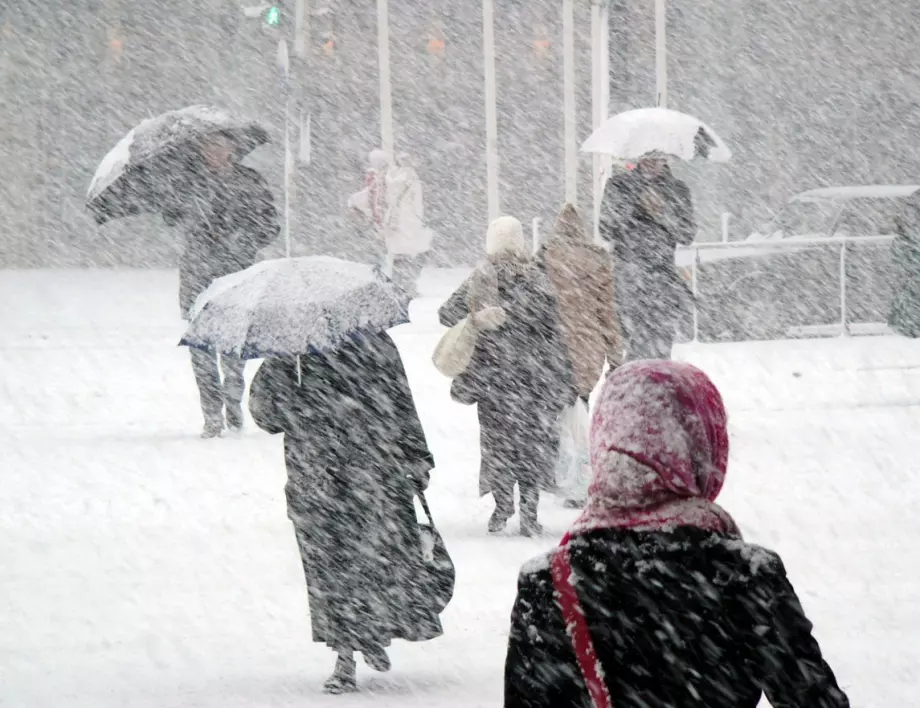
807,94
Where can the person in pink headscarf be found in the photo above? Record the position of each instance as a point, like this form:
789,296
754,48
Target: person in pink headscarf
653,599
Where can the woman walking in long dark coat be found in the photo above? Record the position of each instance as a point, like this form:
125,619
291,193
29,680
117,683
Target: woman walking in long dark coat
653,599
520,377
356,455
646,213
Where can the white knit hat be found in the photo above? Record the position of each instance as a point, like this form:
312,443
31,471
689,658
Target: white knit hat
506,236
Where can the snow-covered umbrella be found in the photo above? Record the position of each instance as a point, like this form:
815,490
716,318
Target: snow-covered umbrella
147,169
294,306
632,134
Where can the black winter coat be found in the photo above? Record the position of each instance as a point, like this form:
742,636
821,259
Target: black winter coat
677,619
228,218
356,455
521,378
638,236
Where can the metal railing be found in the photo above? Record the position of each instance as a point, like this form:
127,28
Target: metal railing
781,245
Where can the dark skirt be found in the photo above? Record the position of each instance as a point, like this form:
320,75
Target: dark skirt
362,555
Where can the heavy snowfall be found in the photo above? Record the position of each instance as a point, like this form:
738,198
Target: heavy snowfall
452,354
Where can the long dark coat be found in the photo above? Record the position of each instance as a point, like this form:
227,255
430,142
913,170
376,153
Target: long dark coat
904,315
228,218
355,453
521,378
677,619
651,296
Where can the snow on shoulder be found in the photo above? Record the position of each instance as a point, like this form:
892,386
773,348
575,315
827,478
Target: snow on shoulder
538,564
758,558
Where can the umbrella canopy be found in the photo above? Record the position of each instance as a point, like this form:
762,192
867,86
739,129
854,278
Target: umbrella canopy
630,135
294,306
146,170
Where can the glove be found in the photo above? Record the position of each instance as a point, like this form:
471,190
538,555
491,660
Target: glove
419,479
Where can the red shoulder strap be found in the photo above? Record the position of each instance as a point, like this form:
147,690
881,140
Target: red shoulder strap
574,616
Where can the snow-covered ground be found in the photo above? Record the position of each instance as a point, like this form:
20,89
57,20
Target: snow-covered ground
142,566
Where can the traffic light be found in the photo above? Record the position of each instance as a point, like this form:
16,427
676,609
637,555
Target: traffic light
272,16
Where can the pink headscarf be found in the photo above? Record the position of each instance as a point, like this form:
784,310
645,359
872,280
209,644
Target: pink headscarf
659,451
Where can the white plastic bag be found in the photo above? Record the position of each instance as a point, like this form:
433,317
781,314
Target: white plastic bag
573,465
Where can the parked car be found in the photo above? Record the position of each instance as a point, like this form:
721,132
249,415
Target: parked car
780,283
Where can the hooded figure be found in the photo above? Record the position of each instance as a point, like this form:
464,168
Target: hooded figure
645,214
356,456
228,216
582,280
519,376
653,599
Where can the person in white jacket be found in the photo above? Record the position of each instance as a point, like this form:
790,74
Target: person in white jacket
403,229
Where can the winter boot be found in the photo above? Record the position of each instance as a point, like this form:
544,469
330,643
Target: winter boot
530,500
498,521
377,659
212,429
235,417
343,679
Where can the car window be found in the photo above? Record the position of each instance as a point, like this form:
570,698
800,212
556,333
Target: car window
869,217
808,219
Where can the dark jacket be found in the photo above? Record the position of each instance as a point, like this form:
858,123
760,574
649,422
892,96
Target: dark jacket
228,219
637,235
904,315
677,619
356,454
521,378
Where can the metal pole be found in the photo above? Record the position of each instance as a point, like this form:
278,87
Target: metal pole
301,23
535,233
284,66
383,61
600,89
844,327
696,294
661,53
488,49
568,71
726,219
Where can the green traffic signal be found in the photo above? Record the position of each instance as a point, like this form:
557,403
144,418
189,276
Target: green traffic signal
272,16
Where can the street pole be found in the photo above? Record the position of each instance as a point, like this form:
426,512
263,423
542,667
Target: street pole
284,66
488,50
661,53
383,62
568,89
600,98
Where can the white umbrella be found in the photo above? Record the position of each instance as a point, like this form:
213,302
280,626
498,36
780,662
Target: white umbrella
630,135
294,306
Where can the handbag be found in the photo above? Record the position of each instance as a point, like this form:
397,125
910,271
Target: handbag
455,351
573,463
439,574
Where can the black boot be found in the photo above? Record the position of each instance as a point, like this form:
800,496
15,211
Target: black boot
234,417
377,659
343,679
530,500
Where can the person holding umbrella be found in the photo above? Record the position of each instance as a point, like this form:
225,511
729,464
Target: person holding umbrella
228,216
333,384
645,214
185,165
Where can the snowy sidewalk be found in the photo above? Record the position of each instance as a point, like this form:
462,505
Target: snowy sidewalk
142,566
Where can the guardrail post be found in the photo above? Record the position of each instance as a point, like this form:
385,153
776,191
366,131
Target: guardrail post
844,328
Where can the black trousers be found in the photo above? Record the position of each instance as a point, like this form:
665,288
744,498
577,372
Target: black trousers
215,393
503,493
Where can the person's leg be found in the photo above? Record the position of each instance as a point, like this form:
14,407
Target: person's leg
343,679
530,501
503,493
406,270
207,376
233,387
